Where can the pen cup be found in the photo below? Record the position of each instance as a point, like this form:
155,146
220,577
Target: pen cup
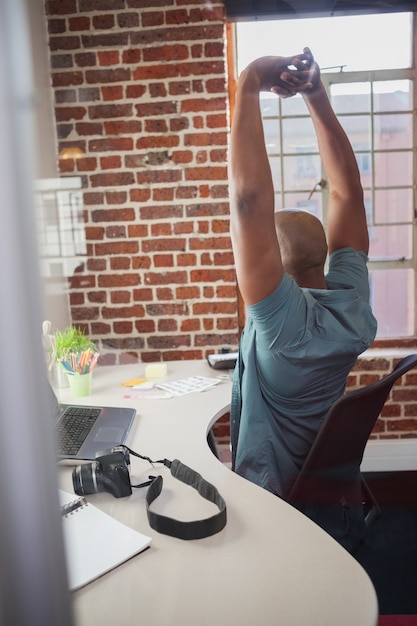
80,384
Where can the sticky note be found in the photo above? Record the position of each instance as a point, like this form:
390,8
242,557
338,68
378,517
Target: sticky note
156,370
133,381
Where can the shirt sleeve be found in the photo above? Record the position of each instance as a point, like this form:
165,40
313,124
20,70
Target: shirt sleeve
347,267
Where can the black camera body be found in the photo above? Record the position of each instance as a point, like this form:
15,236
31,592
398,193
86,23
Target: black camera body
108,472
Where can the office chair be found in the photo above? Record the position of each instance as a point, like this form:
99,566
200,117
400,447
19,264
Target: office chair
330,488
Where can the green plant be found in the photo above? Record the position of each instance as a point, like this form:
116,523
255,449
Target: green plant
72,341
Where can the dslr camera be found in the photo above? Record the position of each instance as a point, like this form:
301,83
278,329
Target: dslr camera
108,472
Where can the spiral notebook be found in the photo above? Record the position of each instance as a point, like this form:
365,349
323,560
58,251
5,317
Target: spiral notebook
95,543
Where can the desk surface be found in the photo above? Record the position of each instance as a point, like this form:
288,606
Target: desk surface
270,564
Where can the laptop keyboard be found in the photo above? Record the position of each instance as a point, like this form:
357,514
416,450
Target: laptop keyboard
73,428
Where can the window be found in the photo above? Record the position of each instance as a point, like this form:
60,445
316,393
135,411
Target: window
371,87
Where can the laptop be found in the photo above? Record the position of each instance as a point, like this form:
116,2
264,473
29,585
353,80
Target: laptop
82,431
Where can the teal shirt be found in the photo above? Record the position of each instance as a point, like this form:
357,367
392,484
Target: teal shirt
296,351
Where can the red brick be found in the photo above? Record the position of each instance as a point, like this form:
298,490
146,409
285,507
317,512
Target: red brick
157,141
56,26
153,18
112,179
190,325
145,326
101,111
157,90
86,164
135,91
112,93
64,114
89,128
143,295
118,75
61,61
400,394
167,325
79,23
109,144
165,194
112,215
64,43
116,197
122,328
128,20
187,260
103,22
117,247
65,79
121,297
187,293
116,39
213,308
110,162
101,5
166,278
138,230
122,127
206,173
141,262
163,260
60,7
166,53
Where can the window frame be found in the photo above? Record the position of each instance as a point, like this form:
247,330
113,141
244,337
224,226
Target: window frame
356,76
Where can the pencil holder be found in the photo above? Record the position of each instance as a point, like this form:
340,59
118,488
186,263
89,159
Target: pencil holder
80,384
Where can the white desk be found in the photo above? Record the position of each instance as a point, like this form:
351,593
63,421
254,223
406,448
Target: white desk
270,564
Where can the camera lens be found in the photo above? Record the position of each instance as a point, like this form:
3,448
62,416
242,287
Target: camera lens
84,478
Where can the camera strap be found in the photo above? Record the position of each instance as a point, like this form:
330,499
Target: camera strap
196,529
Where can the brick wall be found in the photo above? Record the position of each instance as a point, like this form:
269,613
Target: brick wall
140,88
398,419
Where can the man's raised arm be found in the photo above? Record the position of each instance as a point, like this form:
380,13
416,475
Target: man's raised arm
255,244
346,212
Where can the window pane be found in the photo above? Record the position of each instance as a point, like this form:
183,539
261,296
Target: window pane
272,135
393,205
269,105
391,242
302,172
393,95
275,163
364,160
395,314
358,42
393,131
393,169
350,97
299,135
358,129
294,106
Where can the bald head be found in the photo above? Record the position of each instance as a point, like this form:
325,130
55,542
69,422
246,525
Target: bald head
303,246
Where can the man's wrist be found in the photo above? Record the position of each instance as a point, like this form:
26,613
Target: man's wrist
317,91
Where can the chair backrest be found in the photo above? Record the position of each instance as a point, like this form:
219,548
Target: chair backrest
332,467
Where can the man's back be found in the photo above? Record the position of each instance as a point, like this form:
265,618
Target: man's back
303,335
293,367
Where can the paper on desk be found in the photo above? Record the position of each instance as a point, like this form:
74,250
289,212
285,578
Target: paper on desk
188,385
95,543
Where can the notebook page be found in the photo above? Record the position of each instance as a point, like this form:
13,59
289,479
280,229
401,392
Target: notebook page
95,543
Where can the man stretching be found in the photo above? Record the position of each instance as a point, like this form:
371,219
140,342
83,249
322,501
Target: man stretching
304,328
